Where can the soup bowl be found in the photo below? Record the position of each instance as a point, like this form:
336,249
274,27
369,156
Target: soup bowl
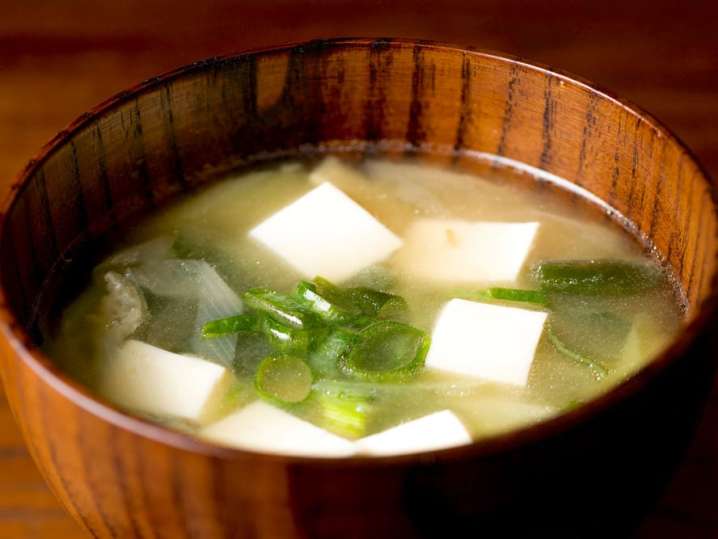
589,472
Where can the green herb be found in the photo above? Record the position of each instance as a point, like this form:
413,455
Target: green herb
330,290
600,335
283,379
232,324
536,297
596,277
599,371
327,331
324,359
282,308
386,351
286,339
327,304
379,304
337,305
344,413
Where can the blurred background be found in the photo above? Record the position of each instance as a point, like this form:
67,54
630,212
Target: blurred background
57,59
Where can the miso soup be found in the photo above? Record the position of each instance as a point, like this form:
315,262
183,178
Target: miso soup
337,308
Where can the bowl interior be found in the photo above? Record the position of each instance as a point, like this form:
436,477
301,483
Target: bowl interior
395,98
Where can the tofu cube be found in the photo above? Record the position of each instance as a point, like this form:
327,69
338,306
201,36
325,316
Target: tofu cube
332,170
432,432
262,427
326,233
393,199
466,252
487,341
148,379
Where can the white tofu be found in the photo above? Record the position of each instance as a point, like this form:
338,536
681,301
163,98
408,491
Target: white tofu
467,252
432,432
392,201
266,428
344,177
487,341
326,233
145,378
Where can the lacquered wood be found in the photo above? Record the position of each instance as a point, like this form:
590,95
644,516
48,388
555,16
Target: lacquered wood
121,477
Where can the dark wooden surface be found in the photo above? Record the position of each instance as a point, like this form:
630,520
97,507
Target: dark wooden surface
56,60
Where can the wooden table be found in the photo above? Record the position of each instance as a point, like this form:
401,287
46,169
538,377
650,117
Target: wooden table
59,58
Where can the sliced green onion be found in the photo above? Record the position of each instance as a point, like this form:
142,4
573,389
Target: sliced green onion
599,371
359,323
324,358
328,289
596,277
536,297
343,413
362,300
283,379
232,324
379,304
386,351
338,332
285,339
282,308
325,303
600,335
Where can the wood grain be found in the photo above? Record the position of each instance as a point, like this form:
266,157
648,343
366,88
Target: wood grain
58,60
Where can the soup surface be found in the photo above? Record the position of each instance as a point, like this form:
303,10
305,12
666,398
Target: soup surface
332,308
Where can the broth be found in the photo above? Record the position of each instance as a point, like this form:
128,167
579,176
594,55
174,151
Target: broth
194,261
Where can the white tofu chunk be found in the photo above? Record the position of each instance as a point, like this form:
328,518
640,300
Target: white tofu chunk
266,428
395,198
332,170
326,233
432,432
145,378
469,252
487,341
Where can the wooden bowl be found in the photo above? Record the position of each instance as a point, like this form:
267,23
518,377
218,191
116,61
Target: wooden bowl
590,472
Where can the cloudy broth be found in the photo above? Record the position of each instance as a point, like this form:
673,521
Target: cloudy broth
431,243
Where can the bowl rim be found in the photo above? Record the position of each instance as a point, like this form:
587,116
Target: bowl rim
26,351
